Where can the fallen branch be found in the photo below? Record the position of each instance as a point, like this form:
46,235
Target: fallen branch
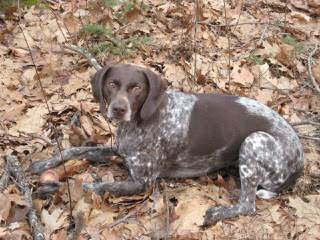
305,123
4,180
93,154
86,54
238,24
124,218
17,172
309,137
313,80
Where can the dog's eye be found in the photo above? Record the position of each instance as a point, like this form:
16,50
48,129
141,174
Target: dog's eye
112,85
136,89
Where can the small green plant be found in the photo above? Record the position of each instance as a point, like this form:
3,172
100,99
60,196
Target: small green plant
29,3
256,60
95,30
122,7
111,3
298,47
104,40
24,3
120,47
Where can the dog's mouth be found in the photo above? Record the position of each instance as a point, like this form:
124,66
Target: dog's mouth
119,117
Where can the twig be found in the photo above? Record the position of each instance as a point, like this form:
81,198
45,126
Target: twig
196,9
262,35
36,136
238,24
315,84
86,54
4,180
315,174
96,154
167,212
309,137
238,19
17,172
228,37
305,123
124,218
285,14
49,111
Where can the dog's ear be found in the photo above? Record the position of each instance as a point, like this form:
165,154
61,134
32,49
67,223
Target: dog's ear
97,82
157,88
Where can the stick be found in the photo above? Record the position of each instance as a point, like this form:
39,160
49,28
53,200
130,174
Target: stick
86,54
229,44
309,137
17,172
315,84
124,218
4,180
305,123
94,154
167,212
238,24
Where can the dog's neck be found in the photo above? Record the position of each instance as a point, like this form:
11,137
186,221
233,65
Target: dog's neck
138,122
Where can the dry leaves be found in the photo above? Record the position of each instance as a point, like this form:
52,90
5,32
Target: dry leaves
263,66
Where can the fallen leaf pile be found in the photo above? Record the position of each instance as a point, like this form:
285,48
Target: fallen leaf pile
259,49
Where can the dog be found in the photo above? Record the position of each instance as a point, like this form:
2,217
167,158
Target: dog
167,134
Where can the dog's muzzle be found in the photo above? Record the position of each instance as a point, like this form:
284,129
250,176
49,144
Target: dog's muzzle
119,109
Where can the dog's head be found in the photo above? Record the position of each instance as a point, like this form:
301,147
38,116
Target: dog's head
131,91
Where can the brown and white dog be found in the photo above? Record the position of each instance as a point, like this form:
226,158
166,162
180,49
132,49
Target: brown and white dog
178,135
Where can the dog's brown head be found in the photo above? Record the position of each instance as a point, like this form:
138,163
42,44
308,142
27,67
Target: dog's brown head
130,91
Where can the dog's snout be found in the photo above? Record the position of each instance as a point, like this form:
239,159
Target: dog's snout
119,108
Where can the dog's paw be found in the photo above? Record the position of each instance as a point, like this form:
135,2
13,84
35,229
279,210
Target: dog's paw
214,214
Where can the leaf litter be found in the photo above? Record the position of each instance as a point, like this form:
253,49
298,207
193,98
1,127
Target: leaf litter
269,62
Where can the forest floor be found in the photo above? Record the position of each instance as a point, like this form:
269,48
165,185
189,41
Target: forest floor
266,50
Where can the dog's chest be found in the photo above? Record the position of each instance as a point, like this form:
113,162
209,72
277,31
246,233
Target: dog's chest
162,139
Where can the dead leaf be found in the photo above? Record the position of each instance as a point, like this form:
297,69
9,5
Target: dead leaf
133,15
175,75
54,220
242,75
308,213
4,208
264,96
316,72
265,79
286,55
276,215
31,122
222,43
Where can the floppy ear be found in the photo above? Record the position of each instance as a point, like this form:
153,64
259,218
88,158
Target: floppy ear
157,88
97,82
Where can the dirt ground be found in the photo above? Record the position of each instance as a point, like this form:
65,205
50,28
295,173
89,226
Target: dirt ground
266,50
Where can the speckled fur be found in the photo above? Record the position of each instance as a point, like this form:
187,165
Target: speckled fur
158,149
268,160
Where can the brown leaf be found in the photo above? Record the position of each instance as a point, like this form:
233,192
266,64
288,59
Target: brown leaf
286,55
316,72
31,122
54,220
4,207
308,213
242,75
133,15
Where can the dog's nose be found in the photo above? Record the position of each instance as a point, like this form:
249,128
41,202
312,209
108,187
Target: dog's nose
118,109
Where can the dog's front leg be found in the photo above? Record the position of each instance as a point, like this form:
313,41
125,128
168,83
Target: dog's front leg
143,172
116,188
92,154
